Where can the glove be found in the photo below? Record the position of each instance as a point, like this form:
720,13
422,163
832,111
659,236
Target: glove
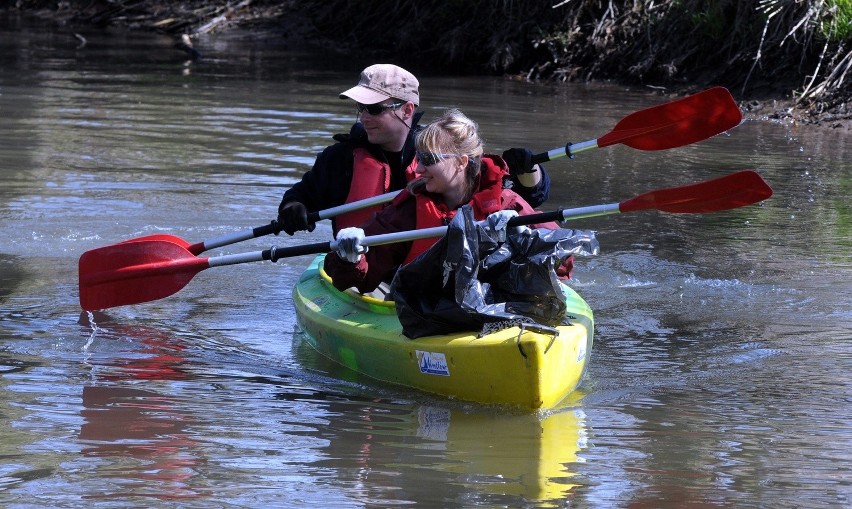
519,160
293,217
497,221
349,244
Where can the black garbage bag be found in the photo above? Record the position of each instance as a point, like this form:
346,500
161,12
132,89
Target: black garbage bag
469,279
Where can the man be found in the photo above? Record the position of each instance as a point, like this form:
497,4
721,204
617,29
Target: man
377,156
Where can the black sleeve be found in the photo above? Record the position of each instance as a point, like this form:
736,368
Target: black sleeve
327,183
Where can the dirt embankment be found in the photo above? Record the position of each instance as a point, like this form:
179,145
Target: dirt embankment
785,60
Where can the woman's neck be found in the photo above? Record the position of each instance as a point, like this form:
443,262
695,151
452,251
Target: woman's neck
456,198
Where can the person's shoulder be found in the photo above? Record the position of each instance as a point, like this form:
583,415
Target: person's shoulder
336,149
356,135
341,150
334,159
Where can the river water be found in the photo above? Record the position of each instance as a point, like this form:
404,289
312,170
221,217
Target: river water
719,375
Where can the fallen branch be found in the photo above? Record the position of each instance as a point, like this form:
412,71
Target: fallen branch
218,20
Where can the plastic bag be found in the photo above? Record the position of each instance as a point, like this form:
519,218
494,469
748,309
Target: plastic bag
467,279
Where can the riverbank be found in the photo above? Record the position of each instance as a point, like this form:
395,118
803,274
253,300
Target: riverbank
783,61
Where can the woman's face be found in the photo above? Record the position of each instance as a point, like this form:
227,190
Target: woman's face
442,173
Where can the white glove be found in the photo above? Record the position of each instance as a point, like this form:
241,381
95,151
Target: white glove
349,244
497,222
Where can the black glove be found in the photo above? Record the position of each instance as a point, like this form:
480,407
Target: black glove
519,160
293,217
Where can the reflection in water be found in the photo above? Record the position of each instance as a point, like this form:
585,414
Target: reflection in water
390,453
139,435
149,430
517,455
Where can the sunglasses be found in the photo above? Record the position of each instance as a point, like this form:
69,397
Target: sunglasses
430,158
377,109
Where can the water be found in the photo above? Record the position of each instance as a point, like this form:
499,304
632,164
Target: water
719,375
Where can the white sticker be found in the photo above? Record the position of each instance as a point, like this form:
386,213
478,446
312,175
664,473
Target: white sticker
433,363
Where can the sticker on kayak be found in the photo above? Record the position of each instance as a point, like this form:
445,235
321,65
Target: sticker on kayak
433,363
581,351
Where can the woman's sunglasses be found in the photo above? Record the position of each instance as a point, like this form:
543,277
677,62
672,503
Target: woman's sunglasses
430,158
377,109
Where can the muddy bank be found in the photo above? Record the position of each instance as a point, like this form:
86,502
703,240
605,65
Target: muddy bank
784,60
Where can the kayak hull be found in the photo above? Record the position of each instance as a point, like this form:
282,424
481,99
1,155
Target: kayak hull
529,367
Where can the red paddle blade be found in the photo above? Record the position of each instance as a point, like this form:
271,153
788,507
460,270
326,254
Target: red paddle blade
729,192
135,271
677,123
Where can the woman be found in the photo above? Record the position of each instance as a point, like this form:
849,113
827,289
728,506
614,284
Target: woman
452,171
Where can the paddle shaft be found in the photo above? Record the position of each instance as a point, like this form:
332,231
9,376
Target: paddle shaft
275,228
568,150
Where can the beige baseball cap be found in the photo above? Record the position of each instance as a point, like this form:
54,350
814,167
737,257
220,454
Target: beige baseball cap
381,81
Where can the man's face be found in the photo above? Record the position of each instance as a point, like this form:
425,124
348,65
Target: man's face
387,123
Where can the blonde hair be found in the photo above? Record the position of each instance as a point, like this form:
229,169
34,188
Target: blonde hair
452,133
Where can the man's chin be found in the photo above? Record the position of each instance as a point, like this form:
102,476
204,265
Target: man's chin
374,138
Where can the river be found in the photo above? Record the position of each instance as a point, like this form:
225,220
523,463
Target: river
719,375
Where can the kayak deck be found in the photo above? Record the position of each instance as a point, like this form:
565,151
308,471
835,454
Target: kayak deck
531,367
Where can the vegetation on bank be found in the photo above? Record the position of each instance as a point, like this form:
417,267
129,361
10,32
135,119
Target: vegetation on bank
760,49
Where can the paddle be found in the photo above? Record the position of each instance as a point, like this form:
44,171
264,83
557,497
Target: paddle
267,229
136,272
669,125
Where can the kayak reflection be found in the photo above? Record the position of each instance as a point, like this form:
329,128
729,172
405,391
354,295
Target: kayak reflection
384,452
524,455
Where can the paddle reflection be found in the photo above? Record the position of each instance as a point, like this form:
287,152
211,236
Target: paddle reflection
139,434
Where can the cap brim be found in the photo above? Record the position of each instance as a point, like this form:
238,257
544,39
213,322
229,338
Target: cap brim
364,95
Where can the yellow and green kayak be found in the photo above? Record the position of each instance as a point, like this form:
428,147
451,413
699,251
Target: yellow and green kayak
530,367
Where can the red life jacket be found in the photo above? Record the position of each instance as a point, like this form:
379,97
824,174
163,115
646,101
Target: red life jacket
370,178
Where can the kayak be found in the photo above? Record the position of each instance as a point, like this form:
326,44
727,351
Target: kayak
528,366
